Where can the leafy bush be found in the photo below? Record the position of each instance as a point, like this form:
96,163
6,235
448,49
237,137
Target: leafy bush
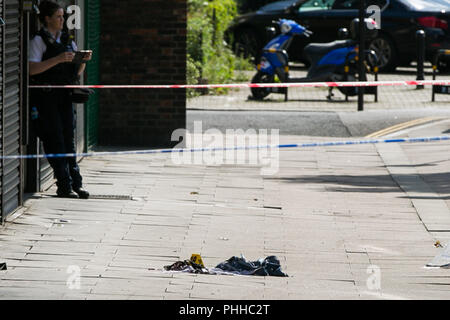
192,74
208,57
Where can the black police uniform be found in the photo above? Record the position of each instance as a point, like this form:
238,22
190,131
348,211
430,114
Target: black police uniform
55,122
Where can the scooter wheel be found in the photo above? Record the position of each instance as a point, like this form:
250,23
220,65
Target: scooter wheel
261,93
349,91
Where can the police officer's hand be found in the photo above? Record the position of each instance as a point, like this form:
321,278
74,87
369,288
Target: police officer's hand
66,57
88,56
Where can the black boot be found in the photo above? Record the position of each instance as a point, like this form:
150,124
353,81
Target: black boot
66,193
64,188
83,194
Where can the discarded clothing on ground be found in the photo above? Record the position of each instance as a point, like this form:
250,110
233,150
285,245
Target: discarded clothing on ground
186,266
269,266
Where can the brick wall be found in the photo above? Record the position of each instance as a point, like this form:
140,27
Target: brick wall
142,42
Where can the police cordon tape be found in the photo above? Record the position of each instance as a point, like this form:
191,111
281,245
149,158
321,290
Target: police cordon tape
254,85
277,146
242,85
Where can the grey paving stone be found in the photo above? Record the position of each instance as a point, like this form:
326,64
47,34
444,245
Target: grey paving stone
324,224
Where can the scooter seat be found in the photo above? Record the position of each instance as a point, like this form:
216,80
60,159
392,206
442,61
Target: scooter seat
316,49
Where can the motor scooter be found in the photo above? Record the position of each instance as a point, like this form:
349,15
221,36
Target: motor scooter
329,62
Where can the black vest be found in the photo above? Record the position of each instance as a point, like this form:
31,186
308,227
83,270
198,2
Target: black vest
62,73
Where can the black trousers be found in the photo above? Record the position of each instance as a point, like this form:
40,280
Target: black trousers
56,128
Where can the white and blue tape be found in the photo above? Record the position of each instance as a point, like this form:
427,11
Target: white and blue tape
279,146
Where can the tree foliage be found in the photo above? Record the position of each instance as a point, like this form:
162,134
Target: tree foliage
209,59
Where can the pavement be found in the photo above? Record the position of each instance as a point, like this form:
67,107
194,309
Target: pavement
353,222
314,99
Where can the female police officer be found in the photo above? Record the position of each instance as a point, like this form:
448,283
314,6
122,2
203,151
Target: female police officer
51,54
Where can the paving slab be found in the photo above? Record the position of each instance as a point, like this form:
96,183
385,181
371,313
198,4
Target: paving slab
331,215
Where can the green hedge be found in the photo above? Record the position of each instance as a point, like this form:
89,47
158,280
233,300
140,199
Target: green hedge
209,59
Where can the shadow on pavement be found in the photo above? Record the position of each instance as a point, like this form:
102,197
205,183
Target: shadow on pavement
438,182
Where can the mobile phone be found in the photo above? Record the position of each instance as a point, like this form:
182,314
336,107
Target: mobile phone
80,55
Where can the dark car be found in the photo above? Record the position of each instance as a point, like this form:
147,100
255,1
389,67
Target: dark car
395,43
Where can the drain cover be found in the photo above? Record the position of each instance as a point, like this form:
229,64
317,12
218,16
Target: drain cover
110,197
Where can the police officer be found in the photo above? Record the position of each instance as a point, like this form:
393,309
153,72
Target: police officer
50,63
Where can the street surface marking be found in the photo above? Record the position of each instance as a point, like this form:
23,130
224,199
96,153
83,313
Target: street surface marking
402,126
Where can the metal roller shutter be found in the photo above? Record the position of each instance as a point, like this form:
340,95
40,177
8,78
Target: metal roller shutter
2,90
11,62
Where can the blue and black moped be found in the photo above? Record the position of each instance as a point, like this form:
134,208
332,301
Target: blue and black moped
329,62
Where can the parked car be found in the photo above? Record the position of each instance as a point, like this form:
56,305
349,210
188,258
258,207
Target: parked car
396,41
246,6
